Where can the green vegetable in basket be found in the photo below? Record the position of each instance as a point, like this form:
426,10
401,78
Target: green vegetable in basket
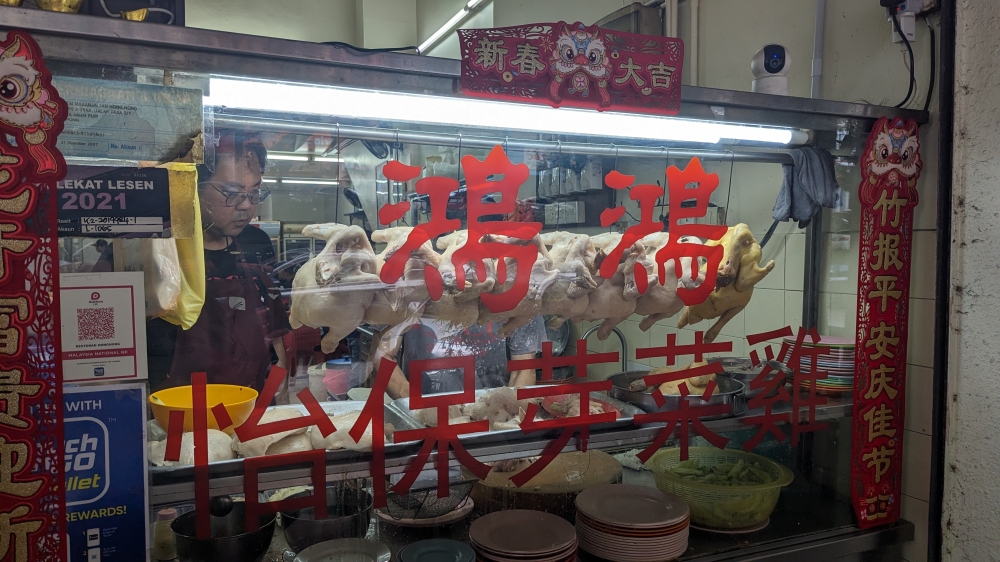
724,474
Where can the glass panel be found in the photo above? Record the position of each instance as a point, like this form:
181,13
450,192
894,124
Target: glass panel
306,210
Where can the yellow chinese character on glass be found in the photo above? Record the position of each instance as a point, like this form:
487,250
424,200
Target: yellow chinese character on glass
882,337
660,74
11,392
527,60
630,74
878,419
887,252
881,381
15,533
884,285
13,459
10,337
490,54
880,458
895,204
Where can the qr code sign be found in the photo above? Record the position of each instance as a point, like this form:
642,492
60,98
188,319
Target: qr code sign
95,323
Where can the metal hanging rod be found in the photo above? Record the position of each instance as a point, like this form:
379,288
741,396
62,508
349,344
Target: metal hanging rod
780,156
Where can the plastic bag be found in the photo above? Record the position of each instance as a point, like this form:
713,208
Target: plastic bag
174,268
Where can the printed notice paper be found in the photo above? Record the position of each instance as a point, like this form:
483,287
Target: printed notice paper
103,326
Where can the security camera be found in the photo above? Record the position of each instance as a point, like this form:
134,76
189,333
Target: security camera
770,69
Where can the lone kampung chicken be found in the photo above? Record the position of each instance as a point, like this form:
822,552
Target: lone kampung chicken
334,289
738,272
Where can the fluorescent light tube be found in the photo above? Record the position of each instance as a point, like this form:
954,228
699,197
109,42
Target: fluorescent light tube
303,182
444,29
477,113
300,158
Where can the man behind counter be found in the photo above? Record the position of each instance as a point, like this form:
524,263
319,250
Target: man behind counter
243,317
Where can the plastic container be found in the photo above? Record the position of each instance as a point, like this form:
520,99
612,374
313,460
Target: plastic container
721,507
337,377
164,547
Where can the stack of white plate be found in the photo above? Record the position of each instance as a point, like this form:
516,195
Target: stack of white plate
520,535
837,361
631,523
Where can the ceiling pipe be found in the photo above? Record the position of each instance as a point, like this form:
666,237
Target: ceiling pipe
817,60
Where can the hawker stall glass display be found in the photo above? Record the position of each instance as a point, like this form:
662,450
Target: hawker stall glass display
397,310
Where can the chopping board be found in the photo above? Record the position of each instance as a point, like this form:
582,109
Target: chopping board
553,490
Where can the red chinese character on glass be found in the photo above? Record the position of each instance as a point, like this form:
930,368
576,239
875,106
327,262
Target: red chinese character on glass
437,190
445,436
770,387
254,428
691,184
509,243
698,376
373,414
690,191
803,355
569,404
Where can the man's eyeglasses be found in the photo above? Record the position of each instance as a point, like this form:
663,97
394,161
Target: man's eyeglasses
236,198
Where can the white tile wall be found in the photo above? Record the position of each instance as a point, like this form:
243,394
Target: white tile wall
793,309
916,465
774,250
923,264
919,382
795,255
915,511
920,349
765,312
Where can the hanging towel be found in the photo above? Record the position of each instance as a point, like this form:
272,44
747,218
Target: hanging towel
809,185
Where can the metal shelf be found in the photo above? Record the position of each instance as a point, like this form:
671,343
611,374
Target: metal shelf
167,490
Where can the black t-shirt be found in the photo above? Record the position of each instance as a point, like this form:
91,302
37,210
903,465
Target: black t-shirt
258,253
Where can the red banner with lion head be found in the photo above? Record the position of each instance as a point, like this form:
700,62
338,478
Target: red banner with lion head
888,192
32,497
575,66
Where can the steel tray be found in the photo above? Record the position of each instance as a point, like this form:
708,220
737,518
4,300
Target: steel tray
482,437
731,391
392,415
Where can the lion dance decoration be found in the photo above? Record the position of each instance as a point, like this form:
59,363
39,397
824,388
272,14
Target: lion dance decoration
581,56
890,168
25,104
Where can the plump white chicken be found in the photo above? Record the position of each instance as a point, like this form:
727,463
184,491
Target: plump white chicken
661,301
341,439
218,449
614,299
541,277
259,447
573,258
334,289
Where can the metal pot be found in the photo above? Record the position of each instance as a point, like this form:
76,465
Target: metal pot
348,516
730,392
228,542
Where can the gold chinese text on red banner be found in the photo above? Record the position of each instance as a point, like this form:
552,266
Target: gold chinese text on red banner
574,65
890,167
32,499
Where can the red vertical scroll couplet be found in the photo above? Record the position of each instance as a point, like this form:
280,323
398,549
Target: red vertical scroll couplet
32,496
890,167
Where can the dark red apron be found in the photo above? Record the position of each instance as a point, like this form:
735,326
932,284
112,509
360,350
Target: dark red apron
228,341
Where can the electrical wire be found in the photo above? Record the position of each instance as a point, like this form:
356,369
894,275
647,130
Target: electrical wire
930,84
909,90
364,50
160,10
